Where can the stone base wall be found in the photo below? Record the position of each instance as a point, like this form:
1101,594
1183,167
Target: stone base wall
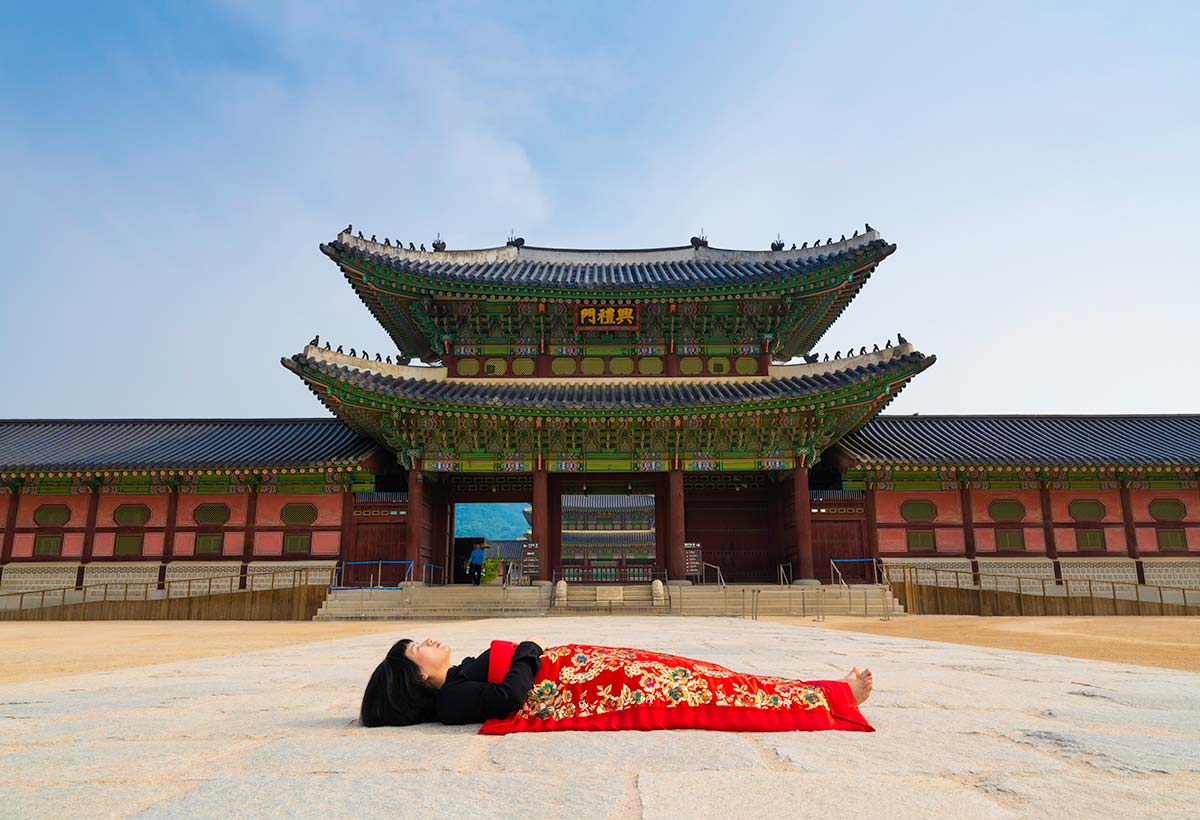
1099,569
1172,572
997,573
320,572
224,575
21,577
894,567
140,576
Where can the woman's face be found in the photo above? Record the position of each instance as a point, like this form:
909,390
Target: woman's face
431,657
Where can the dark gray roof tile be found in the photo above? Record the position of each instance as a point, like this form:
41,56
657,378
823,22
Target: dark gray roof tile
571,394
1027,440
595,270
107,444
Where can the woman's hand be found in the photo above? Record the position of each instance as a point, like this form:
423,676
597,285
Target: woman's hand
541,642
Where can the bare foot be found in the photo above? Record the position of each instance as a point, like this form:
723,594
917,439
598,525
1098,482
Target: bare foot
861,683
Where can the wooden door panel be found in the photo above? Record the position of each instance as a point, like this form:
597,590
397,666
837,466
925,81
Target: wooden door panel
839,540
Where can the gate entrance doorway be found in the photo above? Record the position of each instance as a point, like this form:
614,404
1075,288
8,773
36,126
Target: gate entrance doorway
495,526
608,538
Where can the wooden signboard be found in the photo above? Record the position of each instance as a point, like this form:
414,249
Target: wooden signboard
606,316
530,559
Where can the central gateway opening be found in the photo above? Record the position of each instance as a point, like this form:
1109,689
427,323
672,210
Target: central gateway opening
608,537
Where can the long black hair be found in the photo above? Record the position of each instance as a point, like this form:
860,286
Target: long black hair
396,695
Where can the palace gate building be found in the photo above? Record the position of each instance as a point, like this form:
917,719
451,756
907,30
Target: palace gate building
651,388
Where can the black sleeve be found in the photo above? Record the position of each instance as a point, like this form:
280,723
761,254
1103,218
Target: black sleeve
468,701
476,668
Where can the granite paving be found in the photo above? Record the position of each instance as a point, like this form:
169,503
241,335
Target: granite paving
961,732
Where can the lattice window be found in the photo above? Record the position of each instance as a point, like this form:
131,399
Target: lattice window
1086,509
1006,510
1172,539
47,545
1089,539
128,545
918,511
131,515
211,514
52,515
295,514
210,543
1167,509
1010,539
920,539
297,543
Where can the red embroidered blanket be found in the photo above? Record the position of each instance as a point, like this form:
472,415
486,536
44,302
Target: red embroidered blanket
600,688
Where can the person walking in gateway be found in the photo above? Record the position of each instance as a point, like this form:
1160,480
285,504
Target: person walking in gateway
475,564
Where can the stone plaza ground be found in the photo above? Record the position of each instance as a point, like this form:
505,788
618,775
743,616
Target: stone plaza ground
231,720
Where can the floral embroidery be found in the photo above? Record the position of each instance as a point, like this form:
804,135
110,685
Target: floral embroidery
581,681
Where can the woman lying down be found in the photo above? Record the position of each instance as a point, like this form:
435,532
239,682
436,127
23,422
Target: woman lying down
528,687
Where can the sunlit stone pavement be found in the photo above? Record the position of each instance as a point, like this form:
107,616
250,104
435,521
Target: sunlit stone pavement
962,732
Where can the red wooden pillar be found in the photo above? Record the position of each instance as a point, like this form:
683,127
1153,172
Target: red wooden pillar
671,363
89,535
1131,544
251,524
169,536
1048,521
675,527
968,519
541,365
554,528
872,529
437,510
540,520
414,520
1127,514
448,555
10,524
346,542
804,542
662,522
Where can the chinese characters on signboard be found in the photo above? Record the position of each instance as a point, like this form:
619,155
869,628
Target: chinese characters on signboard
606,317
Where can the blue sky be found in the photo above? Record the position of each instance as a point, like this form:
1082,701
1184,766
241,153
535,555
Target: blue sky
169,170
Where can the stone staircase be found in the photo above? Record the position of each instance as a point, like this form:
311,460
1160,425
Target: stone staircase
419,602
610,599
737,600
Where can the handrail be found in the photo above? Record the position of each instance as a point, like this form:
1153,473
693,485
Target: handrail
833,565
228,583
427,573
886,583
911,576
380,564
784,574
704,566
